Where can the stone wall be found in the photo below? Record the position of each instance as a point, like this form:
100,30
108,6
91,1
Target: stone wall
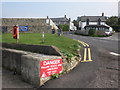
26,64
48,50
34,25
85,32
81,32
26,61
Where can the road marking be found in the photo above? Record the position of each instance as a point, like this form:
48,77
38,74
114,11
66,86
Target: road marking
85,55
86,47
89,55
116,54
82,43
85,50
86,44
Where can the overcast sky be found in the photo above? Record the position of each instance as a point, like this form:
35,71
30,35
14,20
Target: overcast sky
58,9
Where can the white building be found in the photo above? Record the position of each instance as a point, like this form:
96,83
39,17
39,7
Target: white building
72,26
61,20
93,22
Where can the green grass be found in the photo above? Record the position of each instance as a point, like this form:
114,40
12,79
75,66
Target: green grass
66,45
0,37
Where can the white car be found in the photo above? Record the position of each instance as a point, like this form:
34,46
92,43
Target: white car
108,33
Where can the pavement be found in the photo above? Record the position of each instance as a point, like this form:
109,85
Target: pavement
102,72
13,81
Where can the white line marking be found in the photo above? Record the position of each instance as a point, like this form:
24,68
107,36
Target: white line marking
116,54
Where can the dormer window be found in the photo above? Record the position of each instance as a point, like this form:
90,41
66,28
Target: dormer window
99,21
87,21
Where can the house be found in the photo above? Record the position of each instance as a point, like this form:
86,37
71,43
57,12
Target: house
61,20
54,22
93,22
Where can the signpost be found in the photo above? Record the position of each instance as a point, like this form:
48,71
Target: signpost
43,37
50,67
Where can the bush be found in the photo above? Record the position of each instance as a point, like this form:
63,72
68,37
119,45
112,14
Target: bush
116,28
64,27
92,32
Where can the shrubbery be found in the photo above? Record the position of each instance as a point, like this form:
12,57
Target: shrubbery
92,32
116,28
64,27
114,22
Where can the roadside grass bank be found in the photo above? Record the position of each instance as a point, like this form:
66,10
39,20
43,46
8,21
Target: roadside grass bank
66,45
0,37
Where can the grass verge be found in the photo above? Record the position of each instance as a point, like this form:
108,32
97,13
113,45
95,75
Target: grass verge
66,45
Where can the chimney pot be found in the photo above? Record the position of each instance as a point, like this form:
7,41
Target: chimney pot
69,19
65,16
102,14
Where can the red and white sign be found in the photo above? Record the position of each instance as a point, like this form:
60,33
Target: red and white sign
50,67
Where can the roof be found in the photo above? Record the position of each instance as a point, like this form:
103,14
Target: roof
92,18
60,19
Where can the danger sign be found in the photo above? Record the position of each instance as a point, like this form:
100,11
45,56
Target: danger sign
50,67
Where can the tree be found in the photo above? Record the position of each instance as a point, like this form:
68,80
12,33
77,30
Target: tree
114,22
64,27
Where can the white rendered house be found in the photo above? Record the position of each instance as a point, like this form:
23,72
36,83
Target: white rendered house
61,20
93,22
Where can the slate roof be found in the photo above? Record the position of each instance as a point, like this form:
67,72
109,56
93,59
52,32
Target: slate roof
92,18
60,19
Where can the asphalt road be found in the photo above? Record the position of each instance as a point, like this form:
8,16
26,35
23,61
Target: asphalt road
102,72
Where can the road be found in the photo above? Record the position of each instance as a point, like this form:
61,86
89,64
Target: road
102,72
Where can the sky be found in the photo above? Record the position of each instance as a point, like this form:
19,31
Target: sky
72,9
119,8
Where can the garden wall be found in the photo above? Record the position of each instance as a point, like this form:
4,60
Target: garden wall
85,32
81,32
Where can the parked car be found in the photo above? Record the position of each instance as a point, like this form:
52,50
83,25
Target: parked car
108,33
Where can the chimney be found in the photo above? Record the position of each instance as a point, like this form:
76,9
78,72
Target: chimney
47,17
102,14
69,19
65,16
